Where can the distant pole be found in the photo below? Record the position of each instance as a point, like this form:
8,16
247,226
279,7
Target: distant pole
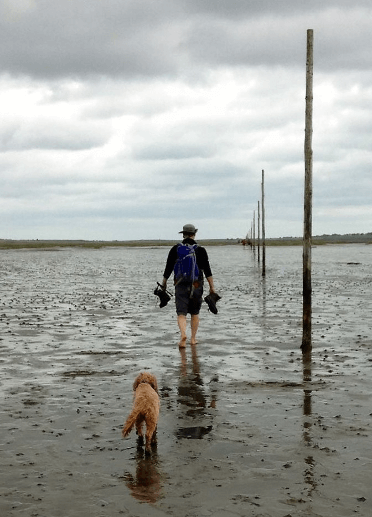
258,230
308,195
254,229
263,224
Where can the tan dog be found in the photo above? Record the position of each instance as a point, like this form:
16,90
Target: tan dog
145,409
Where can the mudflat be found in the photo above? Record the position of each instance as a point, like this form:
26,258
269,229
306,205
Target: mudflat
246,427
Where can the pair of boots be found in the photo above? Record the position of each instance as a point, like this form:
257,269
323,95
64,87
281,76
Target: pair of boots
211,300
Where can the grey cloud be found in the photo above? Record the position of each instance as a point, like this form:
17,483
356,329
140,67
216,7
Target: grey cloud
57,39
171,152
144,38
237,8
49,135
280,39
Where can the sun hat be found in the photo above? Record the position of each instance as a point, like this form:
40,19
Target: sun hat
189,228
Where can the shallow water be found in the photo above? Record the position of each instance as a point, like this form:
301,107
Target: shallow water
246,428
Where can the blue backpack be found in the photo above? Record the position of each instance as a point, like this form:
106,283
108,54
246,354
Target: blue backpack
186,269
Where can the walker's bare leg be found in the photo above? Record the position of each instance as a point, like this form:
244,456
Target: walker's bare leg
181,320
194,328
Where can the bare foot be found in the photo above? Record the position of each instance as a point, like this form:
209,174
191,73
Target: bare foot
193,341
182,343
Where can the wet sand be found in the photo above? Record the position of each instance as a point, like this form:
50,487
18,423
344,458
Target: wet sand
246,428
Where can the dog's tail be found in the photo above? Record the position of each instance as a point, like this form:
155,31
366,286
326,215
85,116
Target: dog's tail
131,420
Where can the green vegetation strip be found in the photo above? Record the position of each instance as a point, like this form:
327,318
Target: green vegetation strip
6,244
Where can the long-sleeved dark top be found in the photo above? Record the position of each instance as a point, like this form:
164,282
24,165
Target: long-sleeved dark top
202,259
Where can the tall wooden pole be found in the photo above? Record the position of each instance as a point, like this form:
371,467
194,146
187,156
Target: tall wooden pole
308,195
263,225
258,230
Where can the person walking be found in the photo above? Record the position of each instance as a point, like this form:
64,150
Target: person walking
188,290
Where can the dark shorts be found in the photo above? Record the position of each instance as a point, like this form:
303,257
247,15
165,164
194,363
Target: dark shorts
185,304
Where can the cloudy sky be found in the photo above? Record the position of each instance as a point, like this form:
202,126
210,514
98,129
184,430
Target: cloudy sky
125,119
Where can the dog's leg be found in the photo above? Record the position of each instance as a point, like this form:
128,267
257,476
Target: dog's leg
154,435
150,435
139,423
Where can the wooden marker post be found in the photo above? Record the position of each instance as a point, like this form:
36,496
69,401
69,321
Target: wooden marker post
258,230
263,224
308,194
254,229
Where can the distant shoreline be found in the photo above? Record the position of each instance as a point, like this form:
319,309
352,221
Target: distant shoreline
6,244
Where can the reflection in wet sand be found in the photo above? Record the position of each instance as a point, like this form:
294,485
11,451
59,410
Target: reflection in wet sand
191,394
146,486
307,411
194,433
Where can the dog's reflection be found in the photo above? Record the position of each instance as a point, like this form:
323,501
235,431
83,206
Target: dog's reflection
146,486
